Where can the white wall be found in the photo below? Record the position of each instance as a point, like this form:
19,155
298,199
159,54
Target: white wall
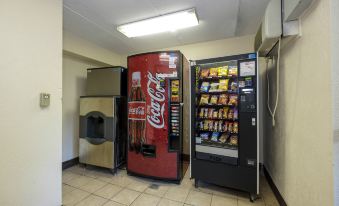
298,150
31,62
74,86
335,93
77,45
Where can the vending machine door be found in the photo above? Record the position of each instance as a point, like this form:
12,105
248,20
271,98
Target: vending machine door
149,112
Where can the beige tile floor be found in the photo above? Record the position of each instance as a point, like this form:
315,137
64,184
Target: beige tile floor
92,186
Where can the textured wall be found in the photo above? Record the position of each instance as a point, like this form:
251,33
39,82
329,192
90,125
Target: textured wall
298,151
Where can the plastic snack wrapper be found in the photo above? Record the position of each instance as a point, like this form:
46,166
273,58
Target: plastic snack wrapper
214,99
223,71
235,127
213,72
215,136
204,73
205,87
204,135
204,99
225,112
223,98
233,71
223,84
234,140
223,138
233,101
214,87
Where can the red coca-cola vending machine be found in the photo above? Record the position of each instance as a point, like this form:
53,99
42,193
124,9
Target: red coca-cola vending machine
155,109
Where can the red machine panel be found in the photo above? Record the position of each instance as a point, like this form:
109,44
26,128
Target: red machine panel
149,77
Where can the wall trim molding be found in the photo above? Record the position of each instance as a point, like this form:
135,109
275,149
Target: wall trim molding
70,163
274,188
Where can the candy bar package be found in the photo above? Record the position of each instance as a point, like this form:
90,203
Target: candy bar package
215,136
230,127
214,99
205,87
233,71
223,84
214,87
223,138
225,113
206,124
234,86
235,114
235,127
216,125
201,125
233,100
225,126
201,113
223,71
204,73
210,125
210,113
234,140
215,114
220,126
220,113
213,72
230,114
205,112
204,99
204,135
223,98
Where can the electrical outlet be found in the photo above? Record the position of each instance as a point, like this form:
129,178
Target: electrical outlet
44,99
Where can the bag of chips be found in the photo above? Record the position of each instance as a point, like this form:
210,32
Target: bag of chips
223,98
223,84
204,135
234,140
214,99
214,87
213,72
204,99
204,73
230,127
223,138
223,71
233,100
215,136
233,71
225,127
205,87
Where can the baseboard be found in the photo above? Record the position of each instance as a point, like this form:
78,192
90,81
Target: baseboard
186,157
70,163
274,188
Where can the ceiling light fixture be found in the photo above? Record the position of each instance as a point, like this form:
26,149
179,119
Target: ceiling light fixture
164,23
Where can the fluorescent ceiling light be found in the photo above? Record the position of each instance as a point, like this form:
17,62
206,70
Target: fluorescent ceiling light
167,22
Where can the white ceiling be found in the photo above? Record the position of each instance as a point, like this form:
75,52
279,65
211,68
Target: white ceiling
96,21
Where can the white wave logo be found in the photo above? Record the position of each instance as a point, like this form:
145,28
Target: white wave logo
156,118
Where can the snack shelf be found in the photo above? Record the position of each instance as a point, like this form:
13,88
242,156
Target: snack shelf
216,105
227,132
218,92
217,78
225,119
218,144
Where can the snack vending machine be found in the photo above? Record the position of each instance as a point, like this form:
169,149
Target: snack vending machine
224,126
155,108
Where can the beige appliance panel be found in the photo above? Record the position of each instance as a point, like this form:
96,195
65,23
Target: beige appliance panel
100,104
100,155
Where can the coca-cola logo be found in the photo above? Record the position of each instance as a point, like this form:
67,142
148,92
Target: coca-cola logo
138,110
155,116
